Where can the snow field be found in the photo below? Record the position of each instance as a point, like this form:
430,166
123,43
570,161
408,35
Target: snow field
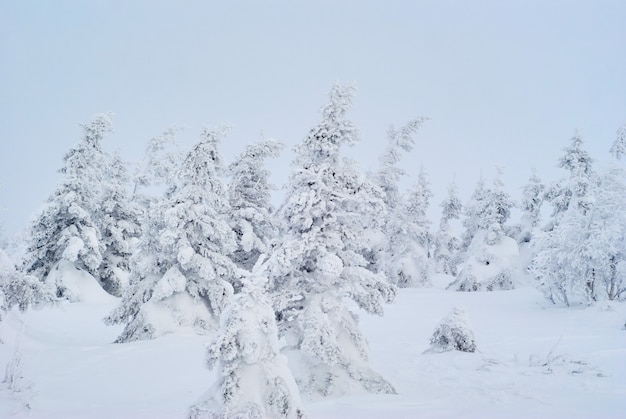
533,360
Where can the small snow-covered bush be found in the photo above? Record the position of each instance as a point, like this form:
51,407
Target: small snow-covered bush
453,334
254,379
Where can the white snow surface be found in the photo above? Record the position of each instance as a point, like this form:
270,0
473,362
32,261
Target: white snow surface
533,360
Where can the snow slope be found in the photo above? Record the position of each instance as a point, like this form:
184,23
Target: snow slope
533,360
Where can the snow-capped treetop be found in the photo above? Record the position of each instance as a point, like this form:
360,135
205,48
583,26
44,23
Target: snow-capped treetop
575,159
161,160
618,149
451,206
100,125
324,141
249,178
203,165
399,142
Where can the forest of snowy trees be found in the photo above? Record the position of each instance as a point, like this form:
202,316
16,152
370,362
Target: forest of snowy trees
189,240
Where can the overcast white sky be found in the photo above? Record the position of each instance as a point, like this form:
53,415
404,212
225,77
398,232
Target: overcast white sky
505,82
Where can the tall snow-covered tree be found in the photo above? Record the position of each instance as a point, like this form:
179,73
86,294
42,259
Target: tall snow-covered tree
575,260
498,212
183,275
474,213
249,197
119,227
65,230
577,161
446,243
319,262
399,142
253,378
409,238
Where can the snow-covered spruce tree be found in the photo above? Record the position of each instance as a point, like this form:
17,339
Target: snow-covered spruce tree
618,149
64,235
446,243
254,380
533,195
453,334
568,260
491,261
399,142
249,197
579,164
473,213
182,275
319,262
410,239
608,218
119,228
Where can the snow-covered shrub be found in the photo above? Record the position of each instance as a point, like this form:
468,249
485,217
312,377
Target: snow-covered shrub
453,334
488,267
19,289
254,380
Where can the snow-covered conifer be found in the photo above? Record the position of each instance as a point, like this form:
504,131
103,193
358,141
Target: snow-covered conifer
582,259
182,275
119,227
399,142
254,380
618,149
319,262
498,207
572,256
533,195
409,238
65,229
446,242
579,164
453,333
249,196
474,213
157,171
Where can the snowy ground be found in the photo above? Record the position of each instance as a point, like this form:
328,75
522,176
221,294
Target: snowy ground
534,360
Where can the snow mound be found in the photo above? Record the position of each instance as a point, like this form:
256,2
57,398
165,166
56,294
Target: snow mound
77,285
489,267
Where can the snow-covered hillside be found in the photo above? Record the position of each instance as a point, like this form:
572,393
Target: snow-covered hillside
532,360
